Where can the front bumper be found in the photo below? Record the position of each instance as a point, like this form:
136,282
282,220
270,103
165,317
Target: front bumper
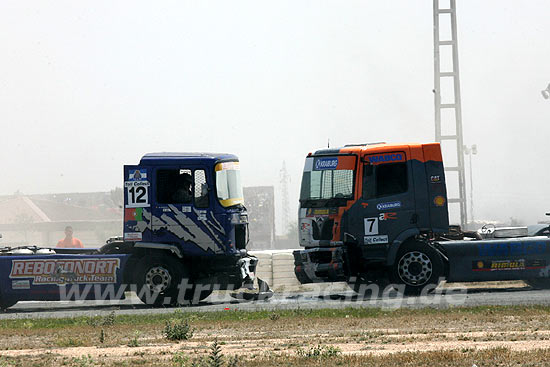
318,265
227,272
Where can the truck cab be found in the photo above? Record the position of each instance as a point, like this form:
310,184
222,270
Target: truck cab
193,202
359,203
192,205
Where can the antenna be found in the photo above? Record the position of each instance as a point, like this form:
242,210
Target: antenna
328,143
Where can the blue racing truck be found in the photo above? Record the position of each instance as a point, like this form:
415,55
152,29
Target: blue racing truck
185,235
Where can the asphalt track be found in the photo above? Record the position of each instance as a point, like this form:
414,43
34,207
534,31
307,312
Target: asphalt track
441,298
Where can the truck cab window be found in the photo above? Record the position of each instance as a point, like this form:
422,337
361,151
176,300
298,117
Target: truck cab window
174,186
201,189
384,180
329,184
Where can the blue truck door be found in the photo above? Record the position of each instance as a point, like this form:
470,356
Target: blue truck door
182,210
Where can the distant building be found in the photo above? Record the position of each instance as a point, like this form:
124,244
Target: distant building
41,219
260,204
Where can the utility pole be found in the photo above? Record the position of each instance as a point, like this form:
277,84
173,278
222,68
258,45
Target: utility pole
470,151
455,105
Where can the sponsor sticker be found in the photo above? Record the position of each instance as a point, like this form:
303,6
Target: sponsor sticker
137,174
326,163
21,284
502,265
387,216
435,179
386,158
439,200
201,214
133,236
130,184
319,212
66,271
373,240
390,205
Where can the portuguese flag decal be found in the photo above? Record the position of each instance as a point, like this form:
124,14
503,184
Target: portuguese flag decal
133,214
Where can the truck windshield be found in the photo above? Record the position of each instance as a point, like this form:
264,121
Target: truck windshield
228,184
325,179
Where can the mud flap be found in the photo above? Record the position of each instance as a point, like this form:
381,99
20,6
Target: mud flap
247,267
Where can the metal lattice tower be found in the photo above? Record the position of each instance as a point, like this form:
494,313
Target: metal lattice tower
454,105
285,180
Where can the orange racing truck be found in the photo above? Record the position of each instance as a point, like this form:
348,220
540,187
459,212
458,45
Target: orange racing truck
377,213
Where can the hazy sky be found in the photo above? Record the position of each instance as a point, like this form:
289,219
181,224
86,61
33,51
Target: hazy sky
86,87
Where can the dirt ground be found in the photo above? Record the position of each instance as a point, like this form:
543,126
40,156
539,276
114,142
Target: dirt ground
283,336
383,344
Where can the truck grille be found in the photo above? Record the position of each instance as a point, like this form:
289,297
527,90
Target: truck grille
321,257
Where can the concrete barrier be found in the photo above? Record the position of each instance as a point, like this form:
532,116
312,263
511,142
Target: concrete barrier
264,270
277,268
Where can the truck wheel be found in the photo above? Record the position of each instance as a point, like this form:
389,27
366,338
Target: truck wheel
417,266
538,283
157,280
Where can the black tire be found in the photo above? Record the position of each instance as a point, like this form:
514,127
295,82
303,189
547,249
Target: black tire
157,278
417,266
166,273
538,283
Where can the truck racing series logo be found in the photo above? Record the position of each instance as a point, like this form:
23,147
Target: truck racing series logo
66,271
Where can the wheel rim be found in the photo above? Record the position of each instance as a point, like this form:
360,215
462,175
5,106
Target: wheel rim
158,279
415,268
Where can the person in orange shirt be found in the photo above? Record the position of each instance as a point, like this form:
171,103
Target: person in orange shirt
69,241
